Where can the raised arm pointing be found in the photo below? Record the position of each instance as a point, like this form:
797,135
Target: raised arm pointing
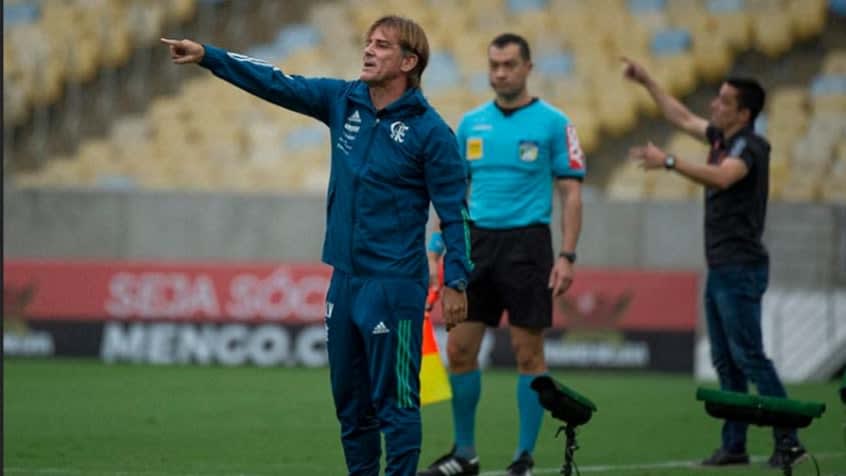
672,109
184,51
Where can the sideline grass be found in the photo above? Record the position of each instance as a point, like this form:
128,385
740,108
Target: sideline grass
81,417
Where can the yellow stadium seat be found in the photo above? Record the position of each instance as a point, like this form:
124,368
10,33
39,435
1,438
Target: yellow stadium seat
628,183
712,56
571,93
617,108
835,62
834,190
685,12
116,43
772,33
681,73
799,188
667,186
735,27
180,10
808,17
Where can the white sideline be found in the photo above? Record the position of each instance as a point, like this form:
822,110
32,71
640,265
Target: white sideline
659,465
584,469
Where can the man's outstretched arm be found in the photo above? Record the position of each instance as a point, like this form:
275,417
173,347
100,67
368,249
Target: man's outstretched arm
673,110
309,96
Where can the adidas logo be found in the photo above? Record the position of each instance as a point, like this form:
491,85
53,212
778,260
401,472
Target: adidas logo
381,328
354,117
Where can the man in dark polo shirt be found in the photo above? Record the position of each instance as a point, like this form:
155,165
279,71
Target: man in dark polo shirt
736,181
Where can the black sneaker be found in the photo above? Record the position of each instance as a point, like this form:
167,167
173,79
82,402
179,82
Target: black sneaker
452,465
522,466
796,454
722,457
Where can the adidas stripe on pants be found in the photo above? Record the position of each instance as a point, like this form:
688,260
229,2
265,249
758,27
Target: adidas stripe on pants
374,332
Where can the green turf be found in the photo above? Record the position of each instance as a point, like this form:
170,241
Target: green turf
86,418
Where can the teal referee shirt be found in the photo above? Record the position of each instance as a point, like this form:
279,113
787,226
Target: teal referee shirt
513,156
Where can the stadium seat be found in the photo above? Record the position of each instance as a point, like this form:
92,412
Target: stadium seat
443,72
616,106
576,49
523,6
670,187
730,23
628,183
772,32
808,18
835,62
20,13
712,56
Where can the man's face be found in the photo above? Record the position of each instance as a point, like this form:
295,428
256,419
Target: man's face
383,59
507,70
725,110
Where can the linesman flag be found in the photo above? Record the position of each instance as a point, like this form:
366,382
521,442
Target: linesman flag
434,384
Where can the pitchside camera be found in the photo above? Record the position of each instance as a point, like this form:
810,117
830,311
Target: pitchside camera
780,413
563,403
568,406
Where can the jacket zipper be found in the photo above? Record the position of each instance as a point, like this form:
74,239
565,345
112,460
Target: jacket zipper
356,180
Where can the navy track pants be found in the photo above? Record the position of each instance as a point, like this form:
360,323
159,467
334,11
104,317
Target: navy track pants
374,333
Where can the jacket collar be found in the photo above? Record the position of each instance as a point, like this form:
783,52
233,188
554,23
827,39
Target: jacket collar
410,103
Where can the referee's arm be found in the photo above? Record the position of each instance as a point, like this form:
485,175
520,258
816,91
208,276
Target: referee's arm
570,196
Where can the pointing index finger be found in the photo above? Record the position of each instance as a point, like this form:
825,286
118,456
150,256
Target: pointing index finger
168,41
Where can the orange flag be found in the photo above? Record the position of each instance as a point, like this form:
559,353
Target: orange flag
434,384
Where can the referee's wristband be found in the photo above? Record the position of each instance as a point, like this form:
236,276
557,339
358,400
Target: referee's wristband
436,243
569,256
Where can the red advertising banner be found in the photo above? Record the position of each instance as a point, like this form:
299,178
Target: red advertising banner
295,293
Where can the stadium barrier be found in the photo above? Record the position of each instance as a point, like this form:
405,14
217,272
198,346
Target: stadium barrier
226,313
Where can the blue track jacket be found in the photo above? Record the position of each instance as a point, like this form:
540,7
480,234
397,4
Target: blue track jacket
386,167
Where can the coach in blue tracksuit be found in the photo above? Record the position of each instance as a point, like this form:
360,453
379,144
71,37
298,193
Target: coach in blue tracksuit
391,155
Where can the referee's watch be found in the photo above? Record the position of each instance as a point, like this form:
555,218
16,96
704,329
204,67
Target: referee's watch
670,162
568,255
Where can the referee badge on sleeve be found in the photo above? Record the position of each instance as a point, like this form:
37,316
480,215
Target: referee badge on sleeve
474,148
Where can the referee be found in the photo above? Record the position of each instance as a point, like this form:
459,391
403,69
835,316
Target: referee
516,147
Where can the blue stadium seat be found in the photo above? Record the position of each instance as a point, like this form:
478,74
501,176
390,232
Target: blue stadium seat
521,6
295,37
828,84
638,7
306,137
267,52
479,83
20,13
442,72
670,42
287,42
725,6
838,6
555,64
761,124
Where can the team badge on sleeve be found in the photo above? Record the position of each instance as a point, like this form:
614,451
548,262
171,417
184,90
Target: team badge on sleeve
577,157
474,148
528,151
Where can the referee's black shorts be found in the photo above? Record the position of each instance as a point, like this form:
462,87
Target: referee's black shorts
511,273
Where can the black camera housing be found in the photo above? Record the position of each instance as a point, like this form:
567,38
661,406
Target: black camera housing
563,403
